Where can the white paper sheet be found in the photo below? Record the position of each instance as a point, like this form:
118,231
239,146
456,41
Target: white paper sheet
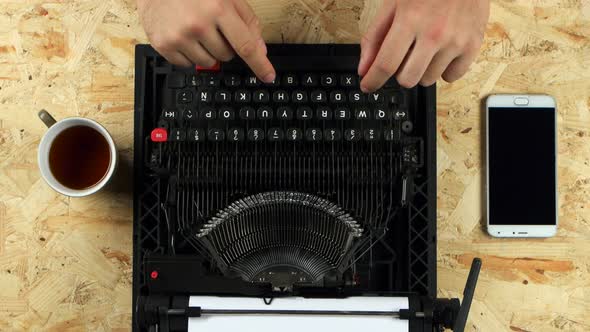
290,323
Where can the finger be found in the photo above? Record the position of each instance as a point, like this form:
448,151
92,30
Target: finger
217,45
415,64
198,55
255,29
247,14
262,44
398,40
177,58
246,45
459,66
373,38
437,66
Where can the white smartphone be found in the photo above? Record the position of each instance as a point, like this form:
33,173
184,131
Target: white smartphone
521,165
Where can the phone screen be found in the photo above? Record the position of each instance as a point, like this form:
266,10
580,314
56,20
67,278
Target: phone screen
521,166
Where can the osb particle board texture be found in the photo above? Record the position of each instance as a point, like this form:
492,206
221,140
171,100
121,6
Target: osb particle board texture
65,264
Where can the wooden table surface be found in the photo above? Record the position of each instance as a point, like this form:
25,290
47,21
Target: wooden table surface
65,264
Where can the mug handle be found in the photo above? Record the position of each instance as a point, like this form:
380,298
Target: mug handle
47,119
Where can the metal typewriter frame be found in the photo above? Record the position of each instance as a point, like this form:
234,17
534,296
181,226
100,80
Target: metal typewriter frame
149,192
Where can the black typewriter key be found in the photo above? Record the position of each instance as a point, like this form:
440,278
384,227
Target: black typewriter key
356,97
328,80
189,114
299,96
294,134
176,80
194,80
235,135
275,82
318,96
211,80
242,96
204,96
337,97
348,80
352,135
285,113
260,96
372,134
275,135
255,134
375,97
290,80
216,135
304,113
309,80
332,134
382,113
280,96
313,134
207,113
184,97
196,135
222,96
177,135
232,80
264,113
247,113
397,98
324,113
342,113
169,115
389,134
226,113
400,114
252,81
362,113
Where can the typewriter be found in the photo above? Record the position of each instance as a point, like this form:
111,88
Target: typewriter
302,199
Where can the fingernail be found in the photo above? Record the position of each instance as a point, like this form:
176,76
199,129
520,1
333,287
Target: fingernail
364,88
269,78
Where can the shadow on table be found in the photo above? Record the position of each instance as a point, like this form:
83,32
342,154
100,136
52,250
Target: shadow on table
122,182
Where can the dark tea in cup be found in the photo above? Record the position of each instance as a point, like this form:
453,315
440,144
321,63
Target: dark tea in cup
79,157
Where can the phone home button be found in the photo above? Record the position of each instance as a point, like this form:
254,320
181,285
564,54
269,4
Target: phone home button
521,101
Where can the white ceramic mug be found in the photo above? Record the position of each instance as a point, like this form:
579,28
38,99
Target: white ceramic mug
55,128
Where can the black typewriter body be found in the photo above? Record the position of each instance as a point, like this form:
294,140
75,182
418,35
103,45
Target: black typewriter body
304,187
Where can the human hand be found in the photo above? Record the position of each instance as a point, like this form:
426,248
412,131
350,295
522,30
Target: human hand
419,41
201,32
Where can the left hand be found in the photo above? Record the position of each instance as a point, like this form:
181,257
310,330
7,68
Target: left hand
419,41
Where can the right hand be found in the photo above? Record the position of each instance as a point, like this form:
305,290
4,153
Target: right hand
203,32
